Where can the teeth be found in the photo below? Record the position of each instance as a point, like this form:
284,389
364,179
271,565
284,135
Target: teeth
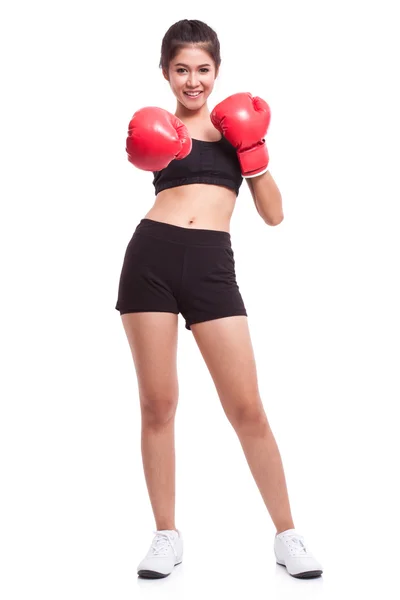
193,94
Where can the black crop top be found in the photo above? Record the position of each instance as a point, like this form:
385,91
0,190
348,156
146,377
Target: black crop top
208,162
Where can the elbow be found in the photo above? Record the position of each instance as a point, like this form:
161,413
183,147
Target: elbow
275,220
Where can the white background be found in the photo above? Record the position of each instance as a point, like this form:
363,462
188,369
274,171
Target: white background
321,290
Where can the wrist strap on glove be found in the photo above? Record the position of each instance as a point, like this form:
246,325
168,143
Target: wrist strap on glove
254,161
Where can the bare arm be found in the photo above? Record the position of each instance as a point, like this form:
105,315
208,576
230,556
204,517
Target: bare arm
267,198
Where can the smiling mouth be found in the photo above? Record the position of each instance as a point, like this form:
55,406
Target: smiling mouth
192,94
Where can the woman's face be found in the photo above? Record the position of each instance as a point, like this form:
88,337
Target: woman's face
191,76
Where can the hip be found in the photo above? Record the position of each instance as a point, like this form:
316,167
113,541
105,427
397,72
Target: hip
166,248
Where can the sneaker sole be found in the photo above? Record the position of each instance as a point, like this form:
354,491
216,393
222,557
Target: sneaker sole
154,574
305,575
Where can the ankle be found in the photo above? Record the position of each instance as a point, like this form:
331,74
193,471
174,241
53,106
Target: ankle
284,528
167,526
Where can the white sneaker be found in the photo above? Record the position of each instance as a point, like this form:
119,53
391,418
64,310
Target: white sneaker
164,554
292,553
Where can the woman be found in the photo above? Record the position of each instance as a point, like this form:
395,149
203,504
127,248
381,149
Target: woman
180,260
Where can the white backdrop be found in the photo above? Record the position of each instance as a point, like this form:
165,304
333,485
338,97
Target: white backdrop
321,290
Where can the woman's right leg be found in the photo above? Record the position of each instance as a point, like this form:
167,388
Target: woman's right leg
153,339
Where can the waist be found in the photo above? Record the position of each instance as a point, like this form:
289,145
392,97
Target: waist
195,206
183,235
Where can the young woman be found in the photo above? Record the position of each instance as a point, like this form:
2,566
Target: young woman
180,260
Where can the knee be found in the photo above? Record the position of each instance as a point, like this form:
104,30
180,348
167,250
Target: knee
251,421
158,409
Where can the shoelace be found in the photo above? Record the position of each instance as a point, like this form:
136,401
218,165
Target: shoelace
296,545
161,544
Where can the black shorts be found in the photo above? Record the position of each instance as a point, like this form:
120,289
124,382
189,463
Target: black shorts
174,269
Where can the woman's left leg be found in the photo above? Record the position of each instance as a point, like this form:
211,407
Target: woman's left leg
226,347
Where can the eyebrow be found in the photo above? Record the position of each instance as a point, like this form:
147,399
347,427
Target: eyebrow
183,65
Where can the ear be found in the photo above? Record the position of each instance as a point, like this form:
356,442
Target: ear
165,75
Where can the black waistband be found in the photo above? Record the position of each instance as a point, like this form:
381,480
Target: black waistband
184,235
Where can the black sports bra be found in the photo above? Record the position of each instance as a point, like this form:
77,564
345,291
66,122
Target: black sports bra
208,162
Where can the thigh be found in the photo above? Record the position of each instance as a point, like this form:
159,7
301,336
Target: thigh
226,347
150,276
153,340
209,289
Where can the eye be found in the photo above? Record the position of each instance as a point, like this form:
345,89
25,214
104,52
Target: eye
203,70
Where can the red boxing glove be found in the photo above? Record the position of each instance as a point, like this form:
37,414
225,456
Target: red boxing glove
244,121
155,137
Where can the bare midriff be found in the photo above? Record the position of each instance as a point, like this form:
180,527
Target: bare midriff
195,206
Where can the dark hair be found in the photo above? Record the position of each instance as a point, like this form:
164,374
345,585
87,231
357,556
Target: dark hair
186,32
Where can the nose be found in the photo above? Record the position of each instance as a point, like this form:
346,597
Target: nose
193,80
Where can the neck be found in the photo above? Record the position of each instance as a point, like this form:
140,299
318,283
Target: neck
185,114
